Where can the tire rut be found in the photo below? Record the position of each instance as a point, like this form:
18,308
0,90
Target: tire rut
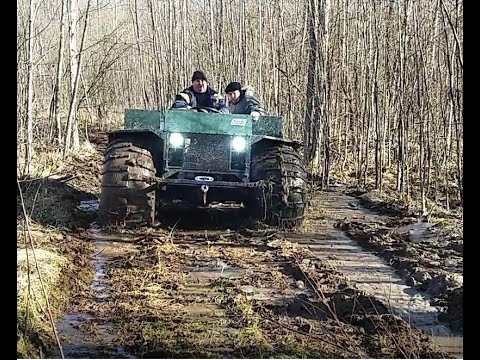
239,292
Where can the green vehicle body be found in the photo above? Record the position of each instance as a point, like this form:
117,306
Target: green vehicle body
206,168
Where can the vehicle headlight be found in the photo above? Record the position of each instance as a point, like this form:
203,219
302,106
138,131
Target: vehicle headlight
176,140
239,144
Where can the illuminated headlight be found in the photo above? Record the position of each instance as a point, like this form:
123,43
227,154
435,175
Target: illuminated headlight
176,140
239,144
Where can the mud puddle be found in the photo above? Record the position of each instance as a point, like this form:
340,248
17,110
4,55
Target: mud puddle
370,273
221,293
452,345
86,335
373,276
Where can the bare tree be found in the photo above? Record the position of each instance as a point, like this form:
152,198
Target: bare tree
30,64
75,69
375,89
58,80
311,123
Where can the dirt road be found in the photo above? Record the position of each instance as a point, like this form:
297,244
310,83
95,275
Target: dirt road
202,285
210,284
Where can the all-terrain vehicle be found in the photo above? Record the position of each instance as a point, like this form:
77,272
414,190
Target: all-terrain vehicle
199,158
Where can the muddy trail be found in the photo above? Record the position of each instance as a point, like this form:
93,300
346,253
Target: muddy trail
208,284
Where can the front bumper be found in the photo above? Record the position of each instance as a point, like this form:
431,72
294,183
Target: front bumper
223,184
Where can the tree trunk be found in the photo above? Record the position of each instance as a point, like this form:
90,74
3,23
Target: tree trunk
76,62
29,143
309,128
58,81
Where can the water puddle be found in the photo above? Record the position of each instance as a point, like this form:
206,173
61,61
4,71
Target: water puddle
89,205
418,232
84,336
273,296
214,271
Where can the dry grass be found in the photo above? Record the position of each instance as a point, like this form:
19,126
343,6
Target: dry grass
50,266
48,162
33,324
51,207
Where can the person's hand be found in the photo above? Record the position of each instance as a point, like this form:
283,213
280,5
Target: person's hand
255,115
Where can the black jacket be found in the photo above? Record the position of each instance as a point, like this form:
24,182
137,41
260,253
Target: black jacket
188,98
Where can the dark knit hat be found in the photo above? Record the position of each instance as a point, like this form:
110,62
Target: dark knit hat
234,85
199,75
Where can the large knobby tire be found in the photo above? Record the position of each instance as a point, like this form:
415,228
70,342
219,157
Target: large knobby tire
127,169
281,201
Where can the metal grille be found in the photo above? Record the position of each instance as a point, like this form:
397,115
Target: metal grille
207,152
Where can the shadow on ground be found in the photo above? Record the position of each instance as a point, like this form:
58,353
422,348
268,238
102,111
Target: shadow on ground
54,202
